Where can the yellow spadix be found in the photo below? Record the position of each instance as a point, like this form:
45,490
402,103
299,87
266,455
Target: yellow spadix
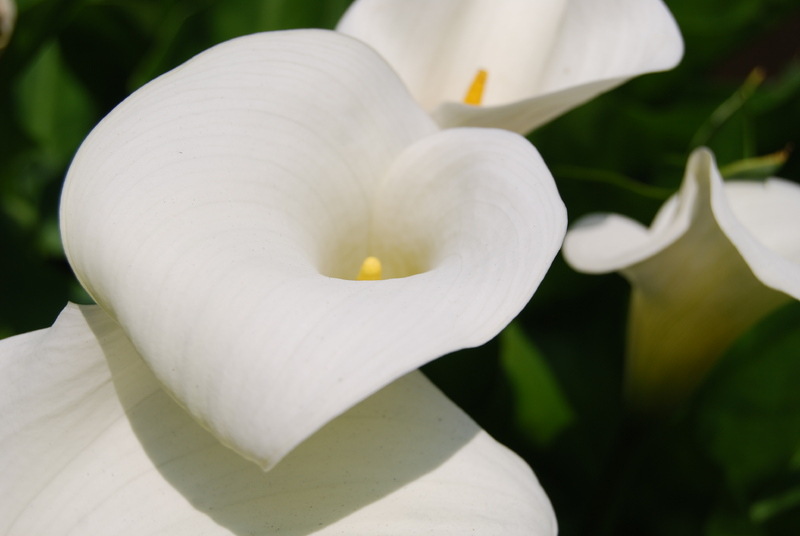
370,270
474,95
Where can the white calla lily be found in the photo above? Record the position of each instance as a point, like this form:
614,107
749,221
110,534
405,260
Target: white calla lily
717,258
91,445
540,58
220,213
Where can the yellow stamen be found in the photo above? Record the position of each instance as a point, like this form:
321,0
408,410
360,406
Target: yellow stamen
370,270
474,94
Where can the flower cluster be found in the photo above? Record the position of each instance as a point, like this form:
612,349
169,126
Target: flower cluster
279,232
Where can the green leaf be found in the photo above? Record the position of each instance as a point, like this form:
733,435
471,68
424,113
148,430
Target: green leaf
728,109
749,411
773,506
757,167
613,179
731,523
53,107
542,411
233,18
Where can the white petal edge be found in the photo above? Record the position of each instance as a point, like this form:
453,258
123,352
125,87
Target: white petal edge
759,218
762,220
602,243
202,212
543,57
91,445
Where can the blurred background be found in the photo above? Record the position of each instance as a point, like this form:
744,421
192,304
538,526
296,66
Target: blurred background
726,463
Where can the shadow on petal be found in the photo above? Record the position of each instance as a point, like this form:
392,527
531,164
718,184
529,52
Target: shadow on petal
373,450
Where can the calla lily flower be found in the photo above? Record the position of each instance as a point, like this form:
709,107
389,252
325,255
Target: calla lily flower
92,445
222,213
514,64
717,258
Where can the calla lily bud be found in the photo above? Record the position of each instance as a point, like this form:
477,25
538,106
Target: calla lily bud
718,257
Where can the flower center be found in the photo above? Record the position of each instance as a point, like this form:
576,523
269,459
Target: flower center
391,258
474,94
370,270
375,241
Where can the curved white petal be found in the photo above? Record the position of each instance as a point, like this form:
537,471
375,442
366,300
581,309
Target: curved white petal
601,243
762,220
215,213
717,258
91,445
543,57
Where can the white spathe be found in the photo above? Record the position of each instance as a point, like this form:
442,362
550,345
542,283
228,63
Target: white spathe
91,445
542,57
717,258
219,213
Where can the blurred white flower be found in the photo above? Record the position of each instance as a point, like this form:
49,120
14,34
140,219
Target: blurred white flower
514,64
717,258
8,16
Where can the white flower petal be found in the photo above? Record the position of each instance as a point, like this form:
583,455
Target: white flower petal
601,243
716,259
438,47
91,445
213,213
762,220
542,57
